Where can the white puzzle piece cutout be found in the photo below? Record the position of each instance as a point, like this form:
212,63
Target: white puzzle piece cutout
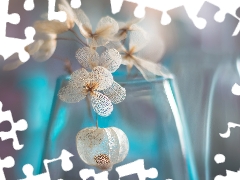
67,165
20,125
137,167
8,162
9,46
29,5
192,9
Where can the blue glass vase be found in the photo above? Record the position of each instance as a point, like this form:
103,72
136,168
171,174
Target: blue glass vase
151,118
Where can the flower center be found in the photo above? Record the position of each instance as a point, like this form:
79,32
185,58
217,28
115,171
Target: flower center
103,161
130,54
91,87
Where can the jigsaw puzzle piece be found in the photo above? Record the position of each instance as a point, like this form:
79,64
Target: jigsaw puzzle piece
5,17
20,125
8,162
225,7
137,167
9,46
217,36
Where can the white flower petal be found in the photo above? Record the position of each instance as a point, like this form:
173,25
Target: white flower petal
52,27
87,57
124,28
154,68
107,27
116,45
70,15
115,93
102,76
137,39
83,23
12,64
45,51
111,60
101,104
80,77
72,93
34,47
97,41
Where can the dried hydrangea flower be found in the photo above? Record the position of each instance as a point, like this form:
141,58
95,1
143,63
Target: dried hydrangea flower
55,26
102,147
89,58
124,28
43,47
83,83
137,41
106,29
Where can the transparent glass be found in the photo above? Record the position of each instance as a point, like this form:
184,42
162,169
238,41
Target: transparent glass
151,118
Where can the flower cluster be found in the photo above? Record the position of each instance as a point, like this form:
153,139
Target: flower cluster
102,52
94,79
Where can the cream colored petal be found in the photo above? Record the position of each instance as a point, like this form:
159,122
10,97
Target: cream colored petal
97,41
12,64
146,74
80,77
101,104
52,27
34,47
44,36
116,45
91,141
132,22
116,93
137,39
72,93
123,143
45,51
87,57
121,35
111,60
154,68
83,23
124,28
107,27
70,15
102,76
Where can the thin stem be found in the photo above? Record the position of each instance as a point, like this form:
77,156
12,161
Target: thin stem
67,64
89,107
97,121
91,112
83,43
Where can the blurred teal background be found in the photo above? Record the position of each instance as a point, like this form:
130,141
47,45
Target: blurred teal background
203,62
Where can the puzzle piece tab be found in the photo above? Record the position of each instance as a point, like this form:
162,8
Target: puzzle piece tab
29,5
67,165
21,125
8,162
192,8
137,167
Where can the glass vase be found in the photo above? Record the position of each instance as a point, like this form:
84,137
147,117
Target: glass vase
151,118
